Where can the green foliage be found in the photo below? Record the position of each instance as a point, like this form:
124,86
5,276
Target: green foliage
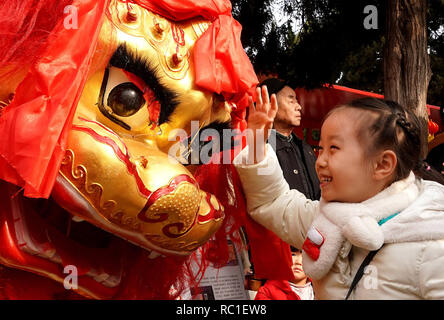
363,68
332,46
435,24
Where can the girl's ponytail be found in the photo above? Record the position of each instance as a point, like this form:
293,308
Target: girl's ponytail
427,172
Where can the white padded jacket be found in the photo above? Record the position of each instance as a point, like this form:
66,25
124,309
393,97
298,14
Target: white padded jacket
408,266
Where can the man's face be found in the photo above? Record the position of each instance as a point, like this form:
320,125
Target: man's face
289,111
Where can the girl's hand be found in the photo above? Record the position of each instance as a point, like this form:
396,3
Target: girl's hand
260,122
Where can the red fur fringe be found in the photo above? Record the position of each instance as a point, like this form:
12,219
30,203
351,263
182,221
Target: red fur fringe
24,28
152,279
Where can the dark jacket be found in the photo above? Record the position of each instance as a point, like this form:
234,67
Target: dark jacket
297,161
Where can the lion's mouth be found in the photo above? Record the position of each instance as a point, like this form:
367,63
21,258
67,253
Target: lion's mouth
45,239
74,242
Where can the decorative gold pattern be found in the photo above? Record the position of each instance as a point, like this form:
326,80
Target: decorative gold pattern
154,29
183,203
78,176
120,203
80,180
174,245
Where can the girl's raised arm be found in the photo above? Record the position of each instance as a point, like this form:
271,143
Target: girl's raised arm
288,213
260,122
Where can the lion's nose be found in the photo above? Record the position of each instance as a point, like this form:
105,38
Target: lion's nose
183,216
175,206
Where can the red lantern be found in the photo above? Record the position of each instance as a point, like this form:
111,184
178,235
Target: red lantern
433,127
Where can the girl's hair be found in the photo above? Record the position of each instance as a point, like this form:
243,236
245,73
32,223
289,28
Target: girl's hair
427,172
388,126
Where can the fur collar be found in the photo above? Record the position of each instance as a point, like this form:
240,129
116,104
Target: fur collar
422,220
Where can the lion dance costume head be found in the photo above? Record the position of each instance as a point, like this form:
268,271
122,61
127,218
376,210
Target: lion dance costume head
91,91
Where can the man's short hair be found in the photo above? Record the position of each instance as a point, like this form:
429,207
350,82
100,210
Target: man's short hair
274,85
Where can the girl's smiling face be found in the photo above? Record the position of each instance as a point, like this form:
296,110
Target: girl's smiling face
343,168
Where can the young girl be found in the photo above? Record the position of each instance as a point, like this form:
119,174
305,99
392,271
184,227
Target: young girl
371,200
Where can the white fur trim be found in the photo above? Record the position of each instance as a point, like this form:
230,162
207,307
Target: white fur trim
315,236
364,232
333,240
357,223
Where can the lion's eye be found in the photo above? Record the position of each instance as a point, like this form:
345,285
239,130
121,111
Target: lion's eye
125,99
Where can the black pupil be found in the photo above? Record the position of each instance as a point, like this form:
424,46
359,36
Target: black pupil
125,99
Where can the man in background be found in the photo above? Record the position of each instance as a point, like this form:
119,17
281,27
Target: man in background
296,157
271,257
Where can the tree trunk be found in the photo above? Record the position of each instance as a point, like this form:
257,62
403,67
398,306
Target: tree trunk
406,62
